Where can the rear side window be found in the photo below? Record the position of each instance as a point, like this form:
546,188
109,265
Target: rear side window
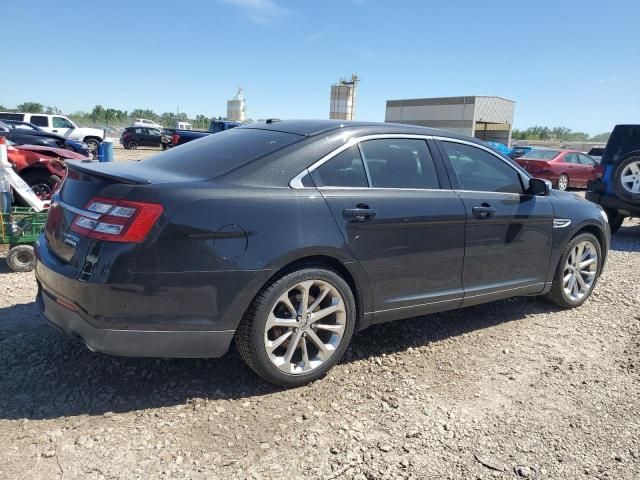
479,170
219,153
40,120
585,160
399,163
343,170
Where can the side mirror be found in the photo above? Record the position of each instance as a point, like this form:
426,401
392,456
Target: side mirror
539,187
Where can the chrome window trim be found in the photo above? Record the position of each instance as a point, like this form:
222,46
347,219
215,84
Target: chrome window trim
296,182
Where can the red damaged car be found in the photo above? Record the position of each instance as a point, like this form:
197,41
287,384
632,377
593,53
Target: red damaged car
564,168
41,167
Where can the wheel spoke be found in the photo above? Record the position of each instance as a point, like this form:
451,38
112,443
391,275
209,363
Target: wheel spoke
319,299
286,301
337,328
325,312
306,364
293,345
628,178
272,345
579,254
273,321
586,263
304,297
581,281
323,351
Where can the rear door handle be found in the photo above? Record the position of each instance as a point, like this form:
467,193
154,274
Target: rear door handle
484,211
361,214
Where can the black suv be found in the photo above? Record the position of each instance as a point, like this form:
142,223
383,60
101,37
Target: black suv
134,137
618,189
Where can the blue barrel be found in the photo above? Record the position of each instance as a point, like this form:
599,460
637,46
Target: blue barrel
105,151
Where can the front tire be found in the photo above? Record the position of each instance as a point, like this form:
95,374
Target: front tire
577,272
298,327
92,145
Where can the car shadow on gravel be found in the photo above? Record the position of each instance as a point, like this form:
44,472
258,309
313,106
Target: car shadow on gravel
627,239
45,374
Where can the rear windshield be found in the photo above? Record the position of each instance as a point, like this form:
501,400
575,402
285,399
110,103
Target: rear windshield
542,154
598,151
219,153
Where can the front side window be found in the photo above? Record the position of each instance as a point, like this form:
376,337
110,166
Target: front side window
571,158
59,122
479,170
40,120
343,170
399,163
585,160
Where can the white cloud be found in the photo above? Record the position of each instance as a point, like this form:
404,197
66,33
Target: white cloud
261,12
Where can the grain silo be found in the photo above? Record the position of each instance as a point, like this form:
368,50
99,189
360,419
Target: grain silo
236,108
343,99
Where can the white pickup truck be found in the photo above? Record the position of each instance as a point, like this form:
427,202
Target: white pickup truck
61,125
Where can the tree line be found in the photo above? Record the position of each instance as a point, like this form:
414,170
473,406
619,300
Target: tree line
100,115
557,133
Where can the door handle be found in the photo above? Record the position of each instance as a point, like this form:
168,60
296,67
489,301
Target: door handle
484,211
362,213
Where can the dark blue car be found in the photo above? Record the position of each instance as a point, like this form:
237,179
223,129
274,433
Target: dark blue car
618,189
34,135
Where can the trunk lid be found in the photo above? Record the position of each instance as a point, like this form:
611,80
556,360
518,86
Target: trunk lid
533,166
84,182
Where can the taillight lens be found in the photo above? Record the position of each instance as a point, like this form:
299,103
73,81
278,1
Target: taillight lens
175,138
599,170
117,220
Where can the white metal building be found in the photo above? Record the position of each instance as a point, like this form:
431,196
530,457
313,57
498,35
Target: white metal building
483,117
343,99
236,108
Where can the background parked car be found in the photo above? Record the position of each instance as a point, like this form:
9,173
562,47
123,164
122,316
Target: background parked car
596,153
25,133
134,137
517,152
172,137
617,190
563,168
61,125
41,167
143,122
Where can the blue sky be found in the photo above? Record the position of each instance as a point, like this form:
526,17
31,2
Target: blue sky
565,63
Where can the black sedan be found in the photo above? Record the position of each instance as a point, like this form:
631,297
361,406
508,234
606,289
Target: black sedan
25,133
288,237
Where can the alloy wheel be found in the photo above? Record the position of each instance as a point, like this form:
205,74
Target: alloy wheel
630,177
305,326
563,182
580,270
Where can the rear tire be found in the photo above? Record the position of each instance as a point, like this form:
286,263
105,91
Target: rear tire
563,182
132,145
626,180
278,337
21,258
582,257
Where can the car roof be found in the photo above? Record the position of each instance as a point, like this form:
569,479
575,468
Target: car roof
310,128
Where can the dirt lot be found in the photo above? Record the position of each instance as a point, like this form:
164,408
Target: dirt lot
513,389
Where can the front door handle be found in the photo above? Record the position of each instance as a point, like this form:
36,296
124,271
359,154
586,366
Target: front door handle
484,211
362,213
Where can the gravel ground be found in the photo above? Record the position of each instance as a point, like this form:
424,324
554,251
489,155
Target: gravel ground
512,389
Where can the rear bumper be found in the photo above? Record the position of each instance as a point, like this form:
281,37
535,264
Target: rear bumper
613,203
133,343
